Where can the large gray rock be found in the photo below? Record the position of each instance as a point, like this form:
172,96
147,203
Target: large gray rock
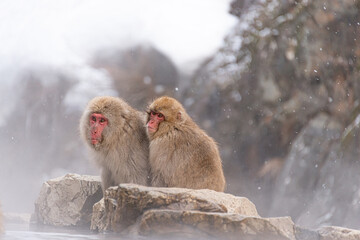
304,164
204,225
319,183
327,233
139,212
126,202
98,219
335,233
68,200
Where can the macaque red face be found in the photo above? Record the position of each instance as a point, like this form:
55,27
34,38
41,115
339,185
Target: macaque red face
97,124
155,120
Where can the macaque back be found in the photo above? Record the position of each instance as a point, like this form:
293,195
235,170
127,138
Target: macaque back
181,154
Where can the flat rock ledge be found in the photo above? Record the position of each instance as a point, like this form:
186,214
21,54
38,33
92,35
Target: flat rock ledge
125,203
206,225
138,212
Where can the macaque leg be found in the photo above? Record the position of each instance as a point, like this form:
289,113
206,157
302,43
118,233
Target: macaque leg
158,181
106,179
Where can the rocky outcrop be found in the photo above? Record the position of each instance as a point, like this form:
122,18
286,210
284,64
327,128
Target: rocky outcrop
98,220
323,166
308,154
139,212
282,63
208,225
327,233
67,201
335,233
127,202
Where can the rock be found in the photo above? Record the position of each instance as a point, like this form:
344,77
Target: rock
306,234
321,165
303,166
334,233
196,224
327,233
98,219
138,212
126,202
68,200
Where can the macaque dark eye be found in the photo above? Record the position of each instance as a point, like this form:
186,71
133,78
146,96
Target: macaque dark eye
93,118
160,115
102,120
152,113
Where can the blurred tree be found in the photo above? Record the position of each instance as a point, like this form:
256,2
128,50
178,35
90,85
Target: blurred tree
140,73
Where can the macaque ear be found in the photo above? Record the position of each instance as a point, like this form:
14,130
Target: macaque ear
179,116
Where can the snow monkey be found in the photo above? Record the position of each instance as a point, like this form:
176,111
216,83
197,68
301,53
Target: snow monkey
181,154
116,135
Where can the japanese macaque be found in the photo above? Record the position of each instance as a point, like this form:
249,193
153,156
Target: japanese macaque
117,138
181,154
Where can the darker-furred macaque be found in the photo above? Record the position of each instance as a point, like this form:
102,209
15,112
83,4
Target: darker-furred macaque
117,138
181,154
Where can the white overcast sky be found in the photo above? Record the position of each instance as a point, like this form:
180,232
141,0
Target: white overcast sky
62,35
58,32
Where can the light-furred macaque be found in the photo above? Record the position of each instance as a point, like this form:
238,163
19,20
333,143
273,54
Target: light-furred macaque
181,154
118,141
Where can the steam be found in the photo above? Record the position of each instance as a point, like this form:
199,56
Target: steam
51,37
65,34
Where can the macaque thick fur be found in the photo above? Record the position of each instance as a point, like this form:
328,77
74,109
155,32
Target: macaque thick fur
181,154
116,135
